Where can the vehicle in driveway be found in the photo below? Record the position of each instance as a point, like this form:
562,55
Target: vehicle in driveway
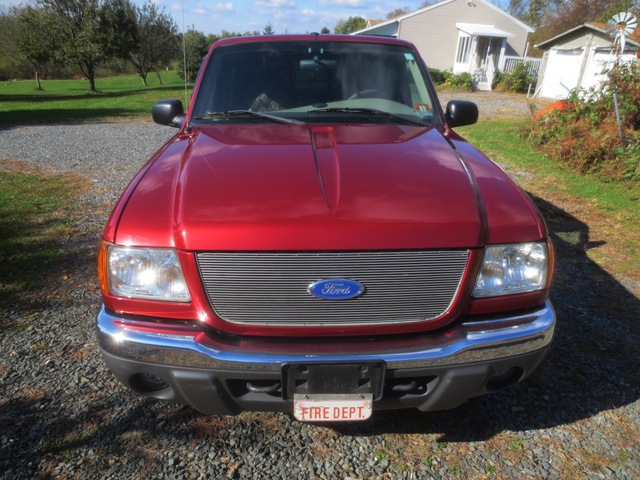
316,239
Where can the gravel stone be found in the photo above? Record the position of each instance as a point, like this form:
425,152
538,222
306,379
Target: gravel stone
63,415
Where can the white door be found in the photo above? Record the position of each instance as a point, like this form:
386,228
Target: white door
463,53
593,73
562,73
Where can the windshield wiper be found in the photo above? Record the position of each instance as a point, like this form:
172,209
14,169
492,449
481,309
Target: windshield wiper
369,111
248,113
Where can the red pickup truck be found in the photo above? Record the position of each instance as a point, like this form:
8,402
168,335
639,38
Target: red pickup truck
316,239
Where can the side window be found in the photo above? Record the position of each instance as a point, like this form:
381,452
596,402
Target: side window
464,48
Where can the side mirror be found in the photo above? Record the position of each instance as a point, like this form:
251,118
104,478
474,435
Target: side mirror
460,113
168,112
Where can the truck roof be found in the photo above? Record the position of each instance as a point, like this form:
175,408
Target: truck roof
310,37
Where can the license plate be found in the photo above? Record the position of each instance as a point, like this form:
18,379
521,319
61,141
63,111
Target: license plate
332,407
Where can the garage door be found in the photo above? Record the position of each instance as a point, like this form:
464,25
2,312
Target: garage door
561,74
593,73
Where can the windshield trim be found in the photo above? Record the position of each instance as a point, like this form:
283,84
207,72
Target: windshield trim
248,114
369,111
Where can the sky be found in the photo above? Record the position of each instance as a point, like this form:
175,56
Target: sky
286,16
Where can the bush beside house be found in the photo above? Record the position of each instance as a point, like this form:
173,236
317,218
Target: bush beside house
585,135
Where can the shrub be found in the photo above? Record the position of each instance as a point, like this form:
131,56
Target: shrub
439,76
520,79
462,81
498,80
585,136
516,81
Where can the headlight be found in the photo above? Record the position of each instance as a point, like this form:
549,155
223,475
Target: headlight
150,273
510,269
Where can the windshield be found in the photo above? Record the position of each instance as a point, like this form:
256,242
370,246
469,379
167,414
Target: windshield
314,82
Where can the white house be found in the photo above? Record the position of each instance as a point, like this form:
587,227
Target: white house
471,36
575,59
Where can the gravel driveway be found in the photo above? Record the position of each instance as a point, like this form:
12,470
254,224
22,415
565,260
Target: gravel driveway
63,415
495,104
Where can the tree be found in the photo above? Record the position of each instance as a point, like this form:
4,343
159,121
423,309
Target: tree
34,37
195,48
248,33
88,32
268,29
622,6
552,17
351,24
398,12
534,12
119,25
325,30
156,41
10,57
27,41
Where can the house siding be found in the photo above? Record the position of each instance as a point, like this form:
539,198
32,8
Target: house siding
578,39
435,35
390,30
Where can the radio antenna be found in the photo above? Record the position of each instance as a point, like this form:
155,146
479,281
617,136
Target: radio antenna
184,61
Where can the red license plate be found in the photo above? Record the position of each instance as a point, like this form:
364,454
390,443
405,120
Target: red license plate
332,407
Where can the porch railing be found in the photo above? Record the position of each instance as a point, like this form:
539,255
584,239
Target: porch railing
508,64
491,72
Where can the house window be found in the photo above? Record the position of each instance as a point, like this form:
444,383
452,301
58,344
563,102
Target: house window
464,47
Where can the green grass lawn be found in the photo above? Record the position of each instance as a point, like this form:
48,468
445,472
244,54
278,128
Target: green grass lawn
500,139
70,100
38,212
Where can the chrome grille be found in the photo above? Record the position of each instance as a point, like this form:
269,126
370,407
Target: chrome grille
271,288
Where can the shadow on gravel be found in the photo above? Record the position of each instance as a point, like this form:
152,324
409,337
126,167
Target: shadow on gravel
55,437
591,367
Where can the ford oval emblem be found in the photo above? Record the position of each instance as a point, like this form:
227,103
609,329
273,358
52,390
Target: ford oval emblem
336,289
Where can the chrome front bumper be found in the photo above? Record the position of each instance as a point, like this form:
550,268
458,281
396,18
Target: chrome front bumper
488,339
221,378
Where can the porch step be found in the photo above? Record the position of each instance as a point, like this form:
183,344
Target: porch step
484,86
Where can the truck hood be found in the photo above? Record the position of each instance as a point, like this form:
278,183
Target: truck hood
304,187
